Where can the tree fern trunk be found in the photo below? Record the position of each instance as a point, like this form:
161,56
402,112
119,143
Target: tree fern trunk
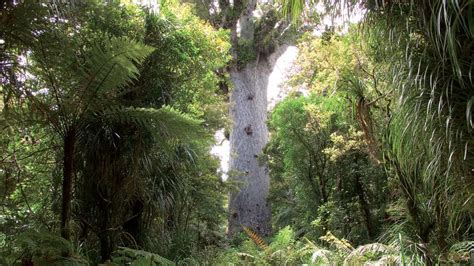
68,172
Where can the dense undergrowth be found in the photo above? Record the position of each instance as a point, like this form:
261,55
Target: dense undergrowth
248,249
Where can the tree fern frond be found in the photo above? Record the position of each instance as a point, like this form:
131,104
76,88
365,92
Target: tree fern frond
461,251
111,64
464,246
321,256
45,248
139,256
165,123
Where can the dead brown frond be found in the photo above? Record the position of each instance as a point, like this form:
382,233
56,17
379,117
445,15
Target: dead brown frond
257,239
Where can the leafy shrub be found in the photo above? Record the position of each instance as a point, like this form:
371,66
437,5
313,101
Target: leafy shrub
44,248
128,256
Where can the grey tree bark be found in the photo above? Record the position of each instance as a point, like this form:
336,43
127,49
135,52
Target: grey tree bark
249,207
248,112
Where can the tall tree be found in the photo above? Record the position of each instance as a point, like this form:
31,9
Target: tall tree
249,74
249,206
255,40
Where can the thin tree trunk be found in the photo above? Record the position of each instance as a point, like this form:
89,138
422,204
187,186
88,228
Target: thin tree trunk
133,226
105,245
324,195
365,207
310,178
105,234
365,121
322,182
68,173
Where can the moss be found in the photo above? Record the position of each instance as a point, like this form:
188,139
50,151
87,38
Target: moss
266,35
246,52
270,31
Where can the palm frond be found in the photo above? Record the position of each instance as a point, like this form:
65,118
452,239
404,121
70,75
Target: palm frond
357,255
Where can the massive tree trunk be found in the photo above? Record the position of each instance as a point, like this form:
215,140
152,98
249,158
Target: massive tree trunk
248,111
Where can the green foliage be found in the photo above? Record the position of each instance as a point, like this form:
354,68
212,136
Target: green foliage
42,248
111,65
166,122
114,17
428,140
380,150
246,52
285,249
317,159
427,62
181,71
284,238
402,76
141,161
138,257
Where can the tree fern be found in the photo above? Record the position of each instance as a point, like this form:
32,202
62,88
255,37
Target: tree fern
110,65
165,123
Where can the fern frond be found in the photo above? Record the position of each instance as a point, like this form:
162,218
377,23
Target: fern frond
465,246
321,256
111,64
137,257
166,123
258,240
340,244
360,253
461,251
48,249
